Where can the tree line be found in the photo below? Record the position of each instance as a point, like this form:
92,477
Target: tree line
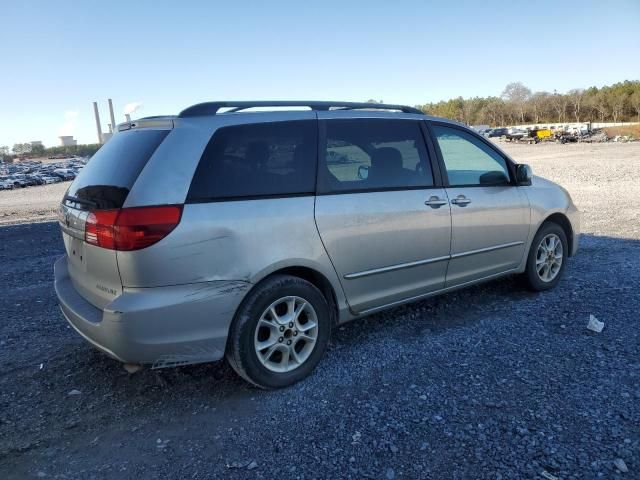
39,150
519,105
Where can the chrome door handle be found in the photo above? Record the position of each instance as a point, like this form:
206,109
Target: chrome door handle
435,202
461,201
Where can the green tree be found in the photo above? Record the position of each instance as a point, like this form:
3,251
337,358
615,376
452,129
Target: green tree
617,103
37,149
21,148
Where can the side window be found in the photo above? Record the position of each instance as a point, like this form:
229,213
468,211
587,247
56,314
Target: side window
370,154
468,160
261,159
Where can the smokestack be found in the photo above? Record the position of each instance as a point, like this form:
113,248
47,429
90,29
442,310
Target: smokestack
113,119
128,117
95,110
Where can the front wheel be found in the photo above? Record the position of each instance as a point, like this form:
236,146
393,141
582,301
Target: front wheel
280,332
547,257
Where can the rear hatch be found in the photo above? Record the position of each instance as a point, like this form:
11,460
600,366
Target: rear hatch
99,191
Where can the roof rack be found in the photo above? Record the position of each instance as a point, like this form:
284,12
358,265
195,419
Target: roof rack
212,108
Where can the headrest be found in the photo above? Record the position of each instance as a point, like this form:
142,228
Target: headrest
301,155
386,159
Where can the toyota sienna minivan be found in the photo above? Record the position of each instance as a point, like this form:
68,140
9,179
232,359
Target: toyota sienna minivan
230,231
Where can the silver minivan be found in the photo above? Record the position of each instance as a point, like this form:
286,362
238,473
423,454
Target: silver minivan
251,229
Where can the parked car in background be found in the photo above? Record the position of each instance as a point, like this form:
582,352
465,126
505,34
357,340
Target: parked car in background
18,181
481,129
565,137
498,132
516,134
64,173
34,179
31,173
261,240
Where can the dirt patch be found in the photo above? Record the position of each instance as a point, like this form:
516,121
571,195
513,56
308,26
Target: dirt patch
31,204
629,130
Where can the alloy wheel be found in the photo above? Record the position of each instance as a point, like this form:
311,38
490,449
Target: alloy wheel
549,257
286,334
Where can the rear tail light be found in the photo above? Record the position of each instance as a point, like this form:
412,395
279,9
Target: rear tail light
131,228
99,228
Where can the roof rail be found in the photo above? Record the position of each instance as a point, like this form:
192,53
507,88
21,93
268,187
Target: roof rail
212,108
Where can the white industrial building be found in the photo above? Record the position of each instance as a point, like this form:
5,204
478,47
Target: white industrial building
67,141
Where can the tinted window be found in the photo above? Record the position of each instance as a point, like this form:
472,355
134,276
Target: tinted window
369,154
276,158
112,171
468,160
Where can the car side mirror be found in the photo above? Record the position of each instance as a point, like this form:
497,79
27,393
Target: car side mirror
363,172
524,174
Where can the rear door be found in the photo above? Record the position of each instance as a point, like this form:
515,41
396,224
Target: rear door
381,215
103,184
490,216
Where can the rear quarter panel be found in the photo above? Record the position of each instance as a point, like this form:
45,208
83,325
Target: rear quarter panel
233,240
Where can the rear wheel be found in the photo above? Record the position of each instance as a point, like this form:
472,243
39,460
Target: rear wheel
547,257
280,332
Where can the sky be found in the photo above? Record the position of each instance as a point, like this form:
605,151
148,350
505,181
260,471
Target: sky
59,56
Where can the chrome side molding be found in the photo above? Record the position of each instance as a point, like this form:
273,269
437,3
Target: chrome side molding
485,250
417,263
391,268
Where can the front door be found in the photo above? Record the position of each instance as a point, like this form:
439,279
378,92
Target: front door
490,216
383,222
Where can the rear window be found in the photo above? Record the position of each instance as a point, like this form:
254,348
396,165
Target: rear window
107,178
257,160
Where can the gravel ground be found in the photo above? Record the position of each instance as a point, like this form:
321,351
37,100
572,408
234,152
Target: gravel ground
31,204
491,382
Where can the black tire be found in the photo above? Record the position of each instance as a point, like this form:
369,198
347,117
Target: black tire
530,276
241,353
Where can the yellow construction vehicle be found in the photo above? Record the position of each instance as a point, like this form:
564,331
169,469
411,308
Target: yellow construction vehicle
544,133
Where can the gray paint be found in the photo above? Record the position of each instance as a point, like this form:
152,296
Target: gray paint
374,230
172,303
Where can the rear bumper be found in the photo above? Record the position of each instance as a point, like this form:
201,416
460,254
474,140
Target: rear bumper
163,326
